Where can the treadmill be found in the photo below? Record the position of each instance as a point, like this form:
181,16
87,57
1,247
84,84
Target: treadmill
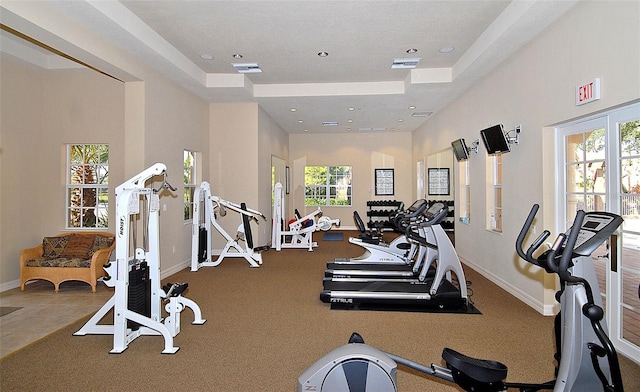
438,292
397,252
420,234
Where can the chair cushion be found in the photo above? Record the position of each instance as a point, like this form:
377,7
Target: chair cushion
78,246
52,247
59,262
100,242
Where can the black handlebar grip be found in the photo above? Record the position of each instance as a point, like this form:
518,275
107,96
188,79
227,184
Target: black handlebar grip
565,260
524,231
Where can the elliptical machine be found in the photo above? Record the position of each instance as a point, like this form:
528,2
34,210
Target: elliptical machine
586,357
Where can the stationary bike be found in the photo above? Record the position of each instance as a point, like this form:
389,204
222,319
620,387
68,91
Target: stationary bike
587,360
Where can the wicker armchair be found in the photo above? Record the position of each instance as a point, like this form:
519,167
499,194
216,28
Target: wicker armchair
68,256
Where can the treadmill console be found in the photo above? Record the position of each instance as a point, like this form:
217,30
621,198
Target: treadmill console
435,210
596,228
417,205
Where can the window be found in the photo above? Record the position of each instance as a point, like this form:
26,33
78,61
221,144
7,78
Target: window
327,185
495,198
190,161
87,186
465,191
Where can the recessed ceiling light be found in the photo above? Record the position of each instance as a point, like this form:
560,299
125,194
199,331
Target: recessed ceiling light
400,120
323,54
300,121
349,121
447,49
293,109
206,56
237,56
305,130
351,109
412,50
348,129
411,107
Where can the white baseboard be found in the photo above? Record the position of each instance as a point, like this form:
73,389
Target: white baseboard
545,310
175,269
10,285
163,274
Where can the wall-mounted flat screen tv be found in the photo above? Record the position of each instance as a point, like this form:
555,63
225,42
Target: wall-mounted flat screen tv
460,150
495,140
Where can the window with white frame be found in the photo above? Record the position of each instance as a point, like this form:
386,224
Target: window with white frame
494,199
327,185
87,186
190,182
465,192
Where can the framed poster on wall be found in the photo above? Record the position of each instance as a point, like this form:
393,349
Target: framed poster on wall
438,180
384,182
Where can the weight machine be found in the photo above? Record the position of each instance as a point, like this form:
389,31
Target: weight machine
214,206
301,229
135,274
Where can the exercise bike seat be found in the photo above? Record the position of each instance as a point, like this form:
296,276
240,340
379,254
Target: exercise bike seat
468,371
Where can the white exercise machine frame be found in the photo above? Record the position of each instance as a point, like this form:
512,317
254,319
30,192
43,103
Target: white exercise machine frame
300,233
214,205
128,199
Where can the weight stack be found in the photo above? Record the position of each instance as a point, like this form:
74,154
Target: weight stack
139,293
202,245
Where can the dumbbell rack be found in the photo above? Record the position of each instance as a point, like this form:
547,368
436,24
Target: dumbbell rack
379,211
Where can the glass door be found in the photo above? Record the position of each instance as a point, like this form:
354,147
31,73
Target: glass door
600,167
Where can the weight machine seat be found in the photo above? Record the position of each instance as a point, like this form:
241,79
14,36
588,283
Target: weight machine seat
481,370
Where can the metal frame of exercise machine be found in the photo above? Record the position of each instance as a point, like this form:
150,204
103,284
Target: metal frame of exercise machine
135,274
422,253
398,289
398,251
301,229
214,206
587,359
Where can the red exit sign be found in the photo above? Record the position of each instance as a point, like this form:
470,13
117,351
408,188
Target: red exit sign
588,92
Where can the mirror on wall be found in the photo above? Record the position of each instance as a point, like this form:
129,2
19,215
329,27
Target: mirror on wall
278,172
278,175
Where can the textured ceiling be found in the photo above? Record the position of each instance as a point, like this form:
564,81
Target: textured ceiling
362,38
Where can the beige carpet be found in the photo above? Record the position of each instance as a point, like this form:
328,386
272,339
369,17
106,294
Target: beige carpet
267,325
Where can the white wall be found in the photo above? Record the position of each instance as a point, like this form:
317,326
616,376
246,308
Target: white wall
535,88
364,152
44,110
41,112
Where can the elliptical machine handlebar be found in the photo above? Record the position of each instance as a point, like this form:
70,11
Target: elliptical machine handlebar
528,256
565,260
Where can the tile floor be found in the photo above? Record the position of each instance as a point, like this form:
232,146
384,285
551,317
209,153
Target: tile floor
44,311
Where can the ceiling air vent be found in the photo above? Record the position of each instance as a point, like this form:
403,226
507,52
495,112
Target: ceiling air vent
406,63
247,67
330,123
421,114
